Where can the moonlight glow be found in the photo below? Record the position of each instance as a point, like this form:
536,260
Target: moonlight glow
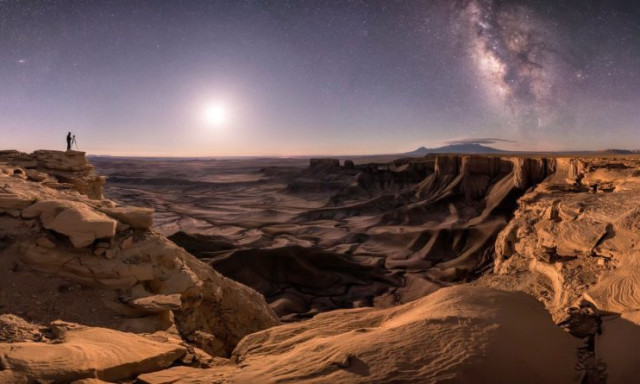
216,114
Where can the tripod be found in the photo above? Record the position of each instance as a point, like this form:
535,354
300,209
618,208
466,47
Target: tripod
73,141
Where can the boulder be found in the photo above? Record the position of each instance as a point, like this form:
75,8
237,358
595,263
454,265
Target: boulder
136,217
82,224
15,329
36,176
91,186
86,352
157,303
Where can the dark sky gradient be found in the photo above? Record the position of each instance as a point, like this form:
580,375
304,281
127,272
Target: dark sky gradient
318,77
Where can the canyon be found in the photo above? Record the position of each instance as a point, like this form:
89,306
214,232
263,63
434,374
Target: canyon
457,268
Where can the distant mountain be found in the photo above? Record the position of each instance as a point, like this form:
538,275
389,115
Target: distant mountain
615,151
455,148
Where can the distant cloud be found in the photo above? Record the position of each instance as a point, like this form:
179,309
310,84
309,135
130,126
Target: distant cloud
481,140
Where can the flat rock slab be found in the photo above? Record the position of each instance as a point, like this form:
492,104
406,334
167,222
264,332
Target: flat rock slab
10,200
89,353
81,223
189,375
158,303
136,217
617,291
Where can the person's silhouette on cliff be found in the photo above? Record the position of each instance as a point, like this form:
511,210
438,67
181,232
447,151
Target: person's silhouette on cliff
69,141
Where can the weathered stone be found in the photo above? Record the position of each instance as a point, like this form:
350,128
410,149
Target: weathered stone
158,303
127,243
88,353
111,253
10,200
62,161
76,220
45,243
36,176
136,217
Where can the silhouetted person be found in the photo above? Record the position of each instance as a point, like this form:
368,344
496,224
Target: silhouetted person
69,141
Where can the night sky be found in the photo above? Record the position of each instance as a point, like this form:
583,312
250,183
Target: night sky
249,77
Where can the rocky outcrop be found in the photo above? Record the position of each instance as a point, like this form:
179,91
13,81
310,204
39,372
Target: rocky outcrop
324,163
395,237
81,352
78,221
136,217
146,281
391,233
458,334
14,329
571,221
348,164
57,169
572,244
528,171
447,165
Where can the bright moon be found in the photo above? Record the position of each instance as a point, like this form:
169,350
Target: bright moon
215,114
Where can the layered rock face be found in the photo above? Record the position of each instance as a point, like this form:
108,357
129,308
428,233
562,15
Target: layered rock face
325,237
77,352
56,169
573,244
100,297
53,240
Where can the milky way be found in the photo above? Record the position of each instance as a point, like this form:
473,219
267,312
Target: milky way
514,54
319,76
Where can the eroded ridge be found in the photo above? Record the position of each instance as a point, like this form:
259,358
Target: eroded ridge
69,256
90,291
334,235
573,244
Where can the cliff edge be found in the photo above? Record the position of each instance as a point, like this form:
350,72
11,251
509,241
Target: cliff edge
68,254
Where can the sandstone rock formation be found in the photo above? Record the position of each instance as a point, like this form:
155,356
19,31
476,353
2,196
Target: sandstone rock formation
460,334
82,224
573,245
144,282
392,236
58,169
388,234
82,352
